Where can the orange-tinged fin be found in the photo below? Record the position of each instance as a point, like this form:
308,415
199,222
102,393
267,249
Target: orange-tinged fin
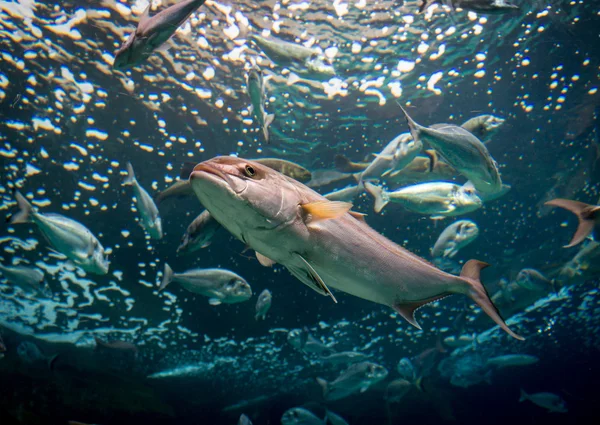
265,261
407,309
324,210
25,210
586,214
470,274
358,216
433,159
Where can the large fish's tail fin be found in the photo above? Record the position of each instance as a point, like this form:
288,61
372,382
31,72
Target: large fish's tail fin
324,385
587,215
524,395
167,277
476,291
130,179
380,195
25,210
268,121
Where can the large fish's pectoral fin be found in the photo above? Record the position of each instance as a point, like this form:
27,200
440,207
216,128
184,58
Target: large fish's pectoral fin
263,260
307,275
324,210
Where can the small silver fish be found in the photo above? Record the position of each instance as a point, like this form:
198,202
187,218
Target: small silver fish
67,236
300,416
256,91
263,304
550,401
433,198
455,237
357,378
483,126
199,233
344,358
396,155
220,285
512,360
149,217
533,280
346,194
152,32
28,278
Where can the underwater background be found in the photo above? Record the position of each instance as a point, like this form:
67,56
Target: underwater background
112,348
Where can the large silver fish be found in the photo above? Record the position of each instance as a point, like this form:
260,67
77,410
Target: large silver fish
256,91
67,236
463,151
357,378
455,237
149,218
588,216
152,32
323,243
219,285
435,198
28,278
199,233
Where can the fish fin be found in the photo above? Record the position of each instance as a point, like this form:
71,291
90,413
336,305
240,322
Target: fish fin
343,164
206,244
324,210
470,274
186,170
25,210
358,216
265,261
214,301
415,129
524,395
324,386
419,384
268,120
364,388
145,15
164,48
433,158
586,214
386,173
167,277
316,279
380,195
251,109
130,179
52,361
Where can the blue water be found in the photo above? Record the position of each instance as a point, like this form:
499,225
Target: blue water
69,123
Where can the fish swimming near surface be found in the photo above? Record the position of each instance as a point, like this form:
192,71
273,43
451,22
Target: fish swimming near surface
483,126
29,279
199,233
323,243
67,236
588,216
256,91
492,7
152,32
263,304
433,198
461,149
455,237
149,217
357,378
552,402
219,285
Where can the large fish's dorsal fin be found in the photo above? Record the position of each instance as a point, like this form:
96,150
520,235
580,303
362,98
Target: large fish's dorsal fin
324,210
145,15
315,278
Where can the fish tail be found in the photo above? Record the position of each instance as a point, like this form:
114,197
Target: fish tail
268,120
470,274
324,385
25,210
586,214
167,277
342,163
380,195
130,179
524,395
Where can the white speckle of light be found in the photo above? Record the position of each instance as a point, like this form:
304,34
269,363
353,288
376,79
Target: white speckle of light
356,48
480,73
219,103
433,80
405,66
525,62
125,233
593,90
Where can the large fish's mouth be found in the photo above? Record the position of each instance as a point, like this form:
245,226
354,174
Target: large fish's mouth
213,174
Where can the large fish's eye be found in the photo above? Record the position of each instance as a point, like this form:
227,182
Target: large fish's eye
250,171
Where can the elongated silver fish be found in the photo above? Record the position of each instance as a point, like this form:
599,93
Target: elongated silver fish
550,401
30,279
588,216
263,304
533,280
219,285
323,243
396,155
455,237
435,198
462,150
508,360
149,217
256,91
67,236
152,32
357,378
199,233
344,358
488,7
297,57
483,126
